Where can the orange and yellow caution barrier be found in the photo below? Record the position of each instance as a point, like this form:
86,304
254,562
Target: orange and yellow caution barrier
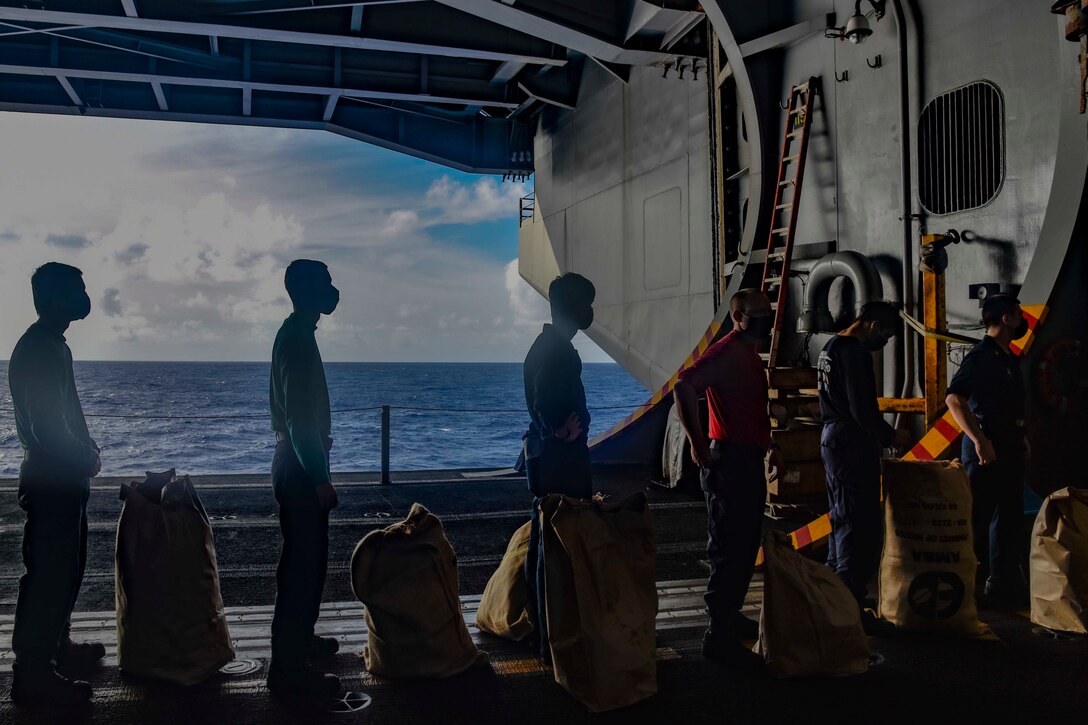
937,440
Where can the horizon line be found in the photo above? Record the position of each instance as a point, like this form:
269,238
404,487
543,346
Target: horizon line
335,362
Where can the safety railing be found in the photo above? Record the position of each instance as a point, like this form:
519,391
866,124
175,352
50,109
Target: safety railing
386,419
527,208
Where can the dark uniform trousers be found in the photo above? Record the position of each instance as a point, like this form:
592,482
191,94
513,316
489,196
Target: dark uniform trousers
54,554
300,575
997,511
852,465
735,488
569,476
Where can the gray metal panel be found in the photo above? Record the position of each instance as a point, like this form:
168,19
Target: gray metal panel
628,144
599,134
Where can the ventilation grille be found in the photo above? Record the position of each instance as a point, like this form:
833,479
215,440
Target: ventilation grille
961,148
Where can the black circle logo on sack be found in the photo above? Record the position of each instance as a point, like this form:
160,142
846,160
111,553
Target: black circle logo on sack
936,594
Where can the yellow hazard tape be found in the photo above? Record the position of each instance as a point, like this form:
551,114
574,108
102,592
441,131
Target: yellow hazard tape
666,389
934,334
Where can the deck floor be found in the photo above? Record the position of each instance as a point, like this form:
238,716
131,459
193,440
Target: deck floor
914,677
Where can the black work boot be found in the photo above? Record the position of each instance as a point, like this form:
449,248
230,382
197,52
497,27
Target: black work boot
304,681
726,649
75,654
743,628
322,647
874,626
45,686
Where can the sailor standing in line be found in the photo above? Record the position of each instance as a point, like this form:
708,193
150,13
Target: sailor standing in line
299,406
732,473
556,444
854,433
59,459
986,397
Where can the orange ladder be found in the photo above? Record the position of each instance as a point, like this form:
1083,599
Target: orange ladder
791,172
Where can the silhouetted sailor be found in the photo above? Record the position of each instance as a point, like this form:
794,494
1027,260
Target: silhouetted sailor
556,445
986,397
299,403
731,466
59,459
853,434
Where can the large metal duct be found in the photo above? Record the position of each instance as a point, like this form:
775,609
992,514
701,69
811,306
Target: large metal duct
854,266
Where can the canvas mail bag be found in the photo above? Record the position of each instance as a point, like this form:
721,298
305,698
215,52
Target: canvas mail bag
502,607
810,623
927,569
170,619
601,598
406,577
1059,562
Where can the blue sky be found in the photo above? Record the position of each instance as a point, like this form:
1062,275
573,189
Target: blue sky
183,231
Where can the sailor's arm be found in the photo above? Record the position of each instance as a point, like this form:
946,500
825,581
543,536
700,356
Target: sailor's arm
553,396
296,372
685,397
43,400
693,382
862,399
957,399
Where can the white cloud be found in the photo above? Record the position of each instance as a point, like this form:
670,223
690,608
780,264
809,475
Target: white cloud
529,308
188,230
451,202
400,222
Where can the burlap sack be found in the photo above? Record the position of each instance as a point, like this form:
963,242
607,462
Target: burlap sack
927,570
502,607
810,623
170,619
1059,562
601,598
406,576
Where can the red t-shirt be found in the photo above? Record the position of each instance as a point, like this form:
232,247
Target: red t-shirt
735,381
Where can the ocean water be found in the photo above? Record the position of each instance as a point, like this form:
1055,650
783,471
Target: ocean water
419,439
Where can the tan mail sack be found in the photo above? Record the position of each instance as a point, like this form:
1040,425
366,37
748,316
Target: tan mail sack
406,577
810,623
601,598
502,607
170,619
1059,562
927,570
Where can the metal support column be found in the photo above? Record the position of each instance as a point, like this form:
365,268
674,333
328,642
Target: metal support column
385,445
936,351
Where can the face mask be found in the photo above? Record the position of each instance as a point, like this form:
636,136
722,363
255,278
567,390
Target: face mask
1020,330
876,341
585,319
759,328
332,299
81,307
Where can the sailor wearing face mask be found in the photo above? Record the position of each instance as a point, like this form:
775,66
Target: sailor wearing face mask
60,458
986,397
732,476
557,442
853,435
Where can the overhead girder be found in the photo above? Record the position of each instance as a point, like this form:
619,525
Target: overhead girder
251,32
594,39
462,88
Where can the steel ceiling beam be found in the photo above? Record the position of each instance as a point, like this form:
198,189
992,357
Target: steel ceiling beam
248,86
294,6
243,32
523,21
443,137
